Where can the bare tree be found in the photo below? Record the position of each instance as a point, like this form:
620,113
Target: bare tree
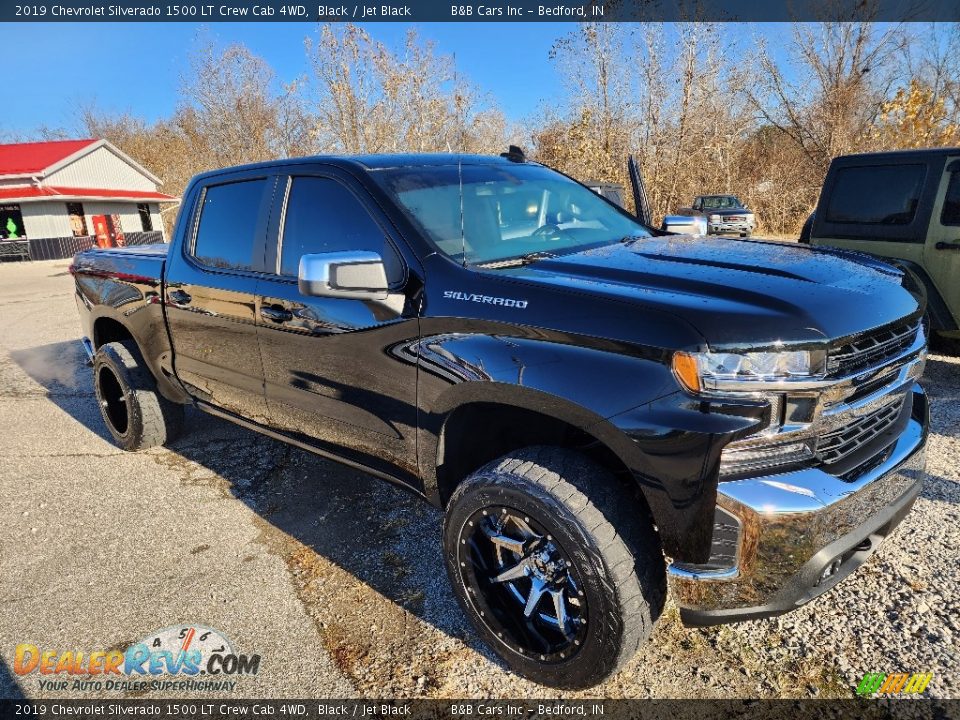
369,98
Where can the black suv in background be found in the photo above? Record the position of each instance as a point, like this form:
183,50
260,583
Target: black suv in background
598,408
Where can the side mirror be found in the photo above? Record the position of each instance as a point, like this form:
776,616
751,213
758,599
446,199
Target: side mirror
356,275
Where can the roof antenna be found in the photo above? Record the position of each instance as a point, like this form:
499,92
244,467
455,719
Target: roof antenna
514,154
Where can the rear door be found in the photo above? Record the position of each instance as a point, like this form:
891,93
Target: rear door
210,293
338,374
941,253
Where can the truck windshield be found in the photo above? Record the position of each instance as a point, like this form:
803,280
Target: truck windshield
522,211
721,202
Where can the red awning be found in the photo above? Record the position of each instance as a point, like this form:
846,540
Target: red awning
19,194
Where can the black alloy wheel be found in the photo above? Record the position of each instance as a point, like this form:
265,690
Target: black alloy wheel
556,564
524,584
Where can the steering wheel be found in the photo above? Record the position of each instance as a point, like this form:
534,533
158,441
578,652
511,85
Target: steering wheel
550,231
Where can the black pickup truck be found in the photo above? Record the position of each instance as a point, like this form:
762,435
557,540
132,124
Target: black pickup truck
601,409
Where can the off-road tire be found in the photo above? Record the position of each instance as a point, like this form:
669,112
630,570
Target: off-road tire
136,415
608,535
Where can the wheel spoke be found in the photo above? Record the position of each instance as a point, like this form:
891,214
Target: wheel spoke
526,530
560,606
537,588
515,573
508,543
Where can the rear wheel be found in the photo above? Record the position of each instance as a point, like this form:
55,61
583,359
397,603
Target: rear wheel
136,415
559,574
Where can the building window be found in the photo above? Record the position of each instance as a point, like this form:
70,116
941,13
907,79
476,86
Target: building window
11,223
78,221
146,222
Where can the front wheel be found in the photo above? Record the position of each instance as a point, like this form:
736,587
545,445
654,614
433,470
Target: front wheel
560,574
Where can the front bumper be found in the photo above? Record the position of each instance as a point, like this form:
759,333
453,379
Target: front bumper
781,540
722,228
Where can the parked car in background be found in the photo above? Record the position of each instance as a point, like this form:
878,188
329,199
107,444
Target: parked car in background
903,206
725,215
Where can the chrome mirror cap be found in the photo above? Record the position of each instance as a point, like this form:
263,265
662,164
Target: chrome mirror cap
357,275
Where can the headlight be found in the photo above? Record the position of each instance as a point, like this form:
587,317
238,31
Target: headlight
746,371
714,218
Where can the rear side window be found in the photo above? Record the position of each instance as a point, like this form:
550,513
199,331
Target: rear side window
876,194
324,216
951,203
226,234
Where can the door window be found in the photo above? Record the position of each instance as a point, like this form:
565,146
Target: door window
876,194
950,215
226,234
324,216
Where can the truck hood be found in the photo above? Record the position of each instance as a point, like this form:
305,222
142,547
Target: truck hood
738,293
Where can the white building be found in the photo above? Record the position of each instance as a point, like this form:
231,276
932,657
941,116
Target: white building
58,198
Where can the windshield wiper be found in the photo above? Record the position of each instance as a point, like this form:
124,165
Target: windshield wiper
519,260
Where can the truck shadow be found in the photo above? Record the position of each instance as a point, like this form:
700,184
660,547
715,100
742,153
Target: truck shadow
386,538
9,687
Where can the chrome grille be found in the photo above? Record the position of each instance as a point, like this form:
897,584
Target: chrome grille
842,442
873,349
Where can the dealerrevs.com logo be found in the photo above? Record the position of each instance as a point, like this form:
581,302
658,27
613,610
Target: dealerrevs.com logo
201,657
894,683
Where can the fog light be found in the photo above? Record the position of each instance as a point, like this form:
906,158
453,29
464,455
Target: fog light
762,457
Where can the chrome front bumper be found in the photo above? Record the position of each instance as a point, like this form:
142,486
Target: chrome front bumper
790,537
730,227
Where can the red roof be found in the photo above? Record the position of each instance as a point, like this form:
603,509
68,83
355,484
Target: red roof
35,157
32,192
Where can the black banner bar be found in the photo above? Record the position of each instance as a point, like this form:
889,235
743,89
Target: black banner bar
212,11
216,709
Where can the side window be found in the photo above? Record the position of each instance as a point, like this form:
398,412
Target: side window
876,194
951,202
324,216
226,234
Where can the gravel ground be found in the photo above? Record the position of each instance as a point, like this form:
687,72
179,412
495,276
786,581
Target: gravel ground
349,568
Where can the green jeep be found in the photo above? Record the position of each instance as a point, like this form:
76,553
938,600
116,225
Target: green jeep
903,206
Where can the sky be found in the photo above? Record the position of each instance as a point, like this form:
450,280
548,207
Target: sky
127,66
137,67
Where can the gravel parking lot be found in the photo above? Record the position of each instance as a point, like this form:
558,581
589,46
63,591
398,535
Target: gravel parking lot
336,578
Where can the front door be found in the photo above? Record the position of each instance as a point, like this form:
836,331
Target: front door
941,253
337,376
210,295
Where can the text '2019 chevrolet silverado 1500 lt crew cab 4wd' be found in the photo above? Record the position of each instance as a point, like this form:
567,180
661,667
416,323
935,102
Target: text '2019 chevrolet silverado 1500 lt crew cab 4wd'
599,409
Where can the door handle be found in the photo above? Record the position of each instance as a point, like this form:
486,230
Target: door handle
947,246
275,314
179,297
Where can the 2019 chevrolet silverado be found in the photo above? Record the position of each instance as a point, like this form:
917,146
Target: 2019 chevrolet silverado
903,206
600,409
